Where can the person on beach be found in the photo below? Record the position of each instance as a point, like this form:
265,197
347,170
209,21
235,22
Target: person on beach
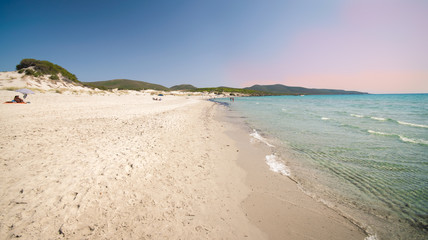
17,99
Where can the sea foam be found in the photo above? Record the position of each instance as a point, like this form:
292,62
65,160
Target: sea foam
417,141
357,115
257,136
402,138
412,124
379,118
380,133
276,166
371,237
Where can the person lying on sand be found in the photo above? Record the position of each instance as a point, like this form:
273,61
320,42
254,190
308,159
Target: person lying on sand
17,99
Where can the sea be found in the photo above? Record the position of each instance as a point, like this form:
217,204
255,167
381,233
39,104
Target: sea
366,156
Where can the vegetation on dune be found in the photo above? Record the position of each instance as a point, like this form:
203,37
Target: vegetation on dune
125,84
42,67
187,87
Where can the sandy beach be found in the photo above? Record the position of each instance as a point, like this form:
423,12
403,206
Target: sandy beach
127,167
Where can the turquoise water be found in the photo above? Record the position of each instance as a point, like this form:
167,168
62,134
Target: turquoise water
364,155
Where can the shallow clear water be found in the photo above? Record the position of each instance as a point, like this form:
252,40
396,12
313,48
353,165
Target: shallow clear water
366,155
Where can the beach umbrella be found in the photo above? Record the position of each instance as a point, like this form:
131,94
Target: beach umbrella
25,91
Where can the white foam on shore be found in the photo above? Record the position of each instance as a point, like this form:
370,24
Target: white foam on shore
276,166
371,237
412,124
257,136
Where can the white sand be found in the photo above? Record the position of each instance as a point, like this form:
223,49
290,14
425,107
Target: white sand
112,167
127,167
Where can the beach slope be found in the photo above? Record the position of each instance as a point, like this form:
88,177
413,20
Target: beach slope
111,167
126,167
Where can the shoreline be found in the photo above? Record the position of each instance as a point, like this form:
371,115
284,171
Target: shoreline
81,166
276,204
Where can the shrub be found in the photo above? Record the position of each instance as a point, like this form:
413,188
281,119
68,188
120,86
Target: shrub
29,72
45,67
54,77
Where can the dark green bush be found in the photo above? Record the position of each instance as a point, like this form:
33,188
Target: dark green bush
45,67
29,72
54,77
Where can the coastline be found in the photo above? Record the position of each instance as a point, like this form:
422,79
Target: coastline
336,158
276,204
124,166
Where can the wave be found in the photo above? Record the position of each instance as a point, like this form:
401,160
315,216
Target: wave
257,136
401,137
325,118
378,118
412,124
388,119
276,166
381,133
417,141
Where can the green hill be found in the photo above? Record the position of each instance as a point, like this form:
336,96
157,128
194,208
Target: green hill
38,68
286,90
182,87
125,84
220,90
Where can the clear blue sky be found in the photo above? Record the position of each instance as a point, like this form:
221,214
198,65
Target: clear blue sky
376,45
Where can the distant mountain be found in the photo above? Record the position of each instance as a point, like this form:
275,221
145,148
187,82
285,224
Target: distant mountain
182,87
256,90
286,90
125,84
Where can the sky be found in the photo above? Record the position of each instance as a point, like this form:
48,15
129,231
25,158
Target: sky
376,46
